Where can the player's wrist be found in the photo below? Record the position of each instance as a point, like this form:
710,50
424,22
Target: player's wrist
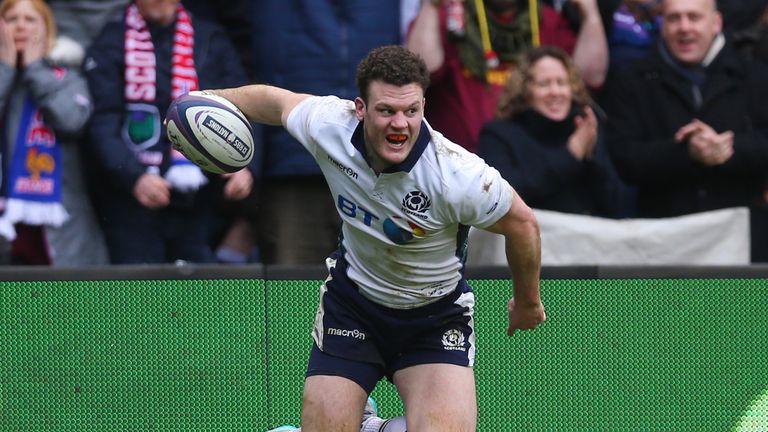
531,300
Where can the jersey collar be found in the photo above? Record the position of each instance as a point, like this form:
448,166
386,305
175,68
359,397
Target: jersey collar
358,140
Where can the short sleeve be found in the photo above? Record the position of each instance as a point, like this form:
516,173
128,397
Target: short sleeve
477,195
488,196
312,115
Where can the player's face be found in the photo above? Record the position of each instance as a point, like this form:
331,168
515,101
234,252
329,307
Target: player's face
689,27
391,120
550,89
25,23
158,11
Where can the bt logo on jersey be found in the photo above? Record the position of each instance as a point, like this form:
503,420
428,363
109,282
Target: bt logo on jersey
353,210
394,227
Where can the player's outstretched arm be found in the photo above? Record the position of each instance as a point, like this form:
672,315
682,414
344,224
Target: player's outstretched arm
262,103
523,248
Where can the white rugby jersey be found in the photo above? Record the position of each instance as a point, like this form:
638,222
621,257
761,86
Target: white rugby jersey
404,231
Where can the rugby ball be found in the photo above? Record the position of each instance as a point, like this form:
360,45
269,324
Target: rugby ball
210,131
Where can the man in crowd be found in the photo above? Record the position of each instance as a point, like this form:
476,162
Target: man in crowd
689,124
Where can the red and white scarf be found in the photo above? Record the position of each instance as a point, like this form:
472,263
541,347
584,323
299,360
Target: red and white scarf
143,130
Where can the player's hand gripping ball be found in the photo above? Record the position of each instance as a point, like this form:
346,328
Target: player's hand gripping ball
210,131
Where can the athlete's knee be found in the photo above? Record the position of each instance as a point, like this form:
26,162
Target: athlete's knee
442,422
319,416
331,405
440,415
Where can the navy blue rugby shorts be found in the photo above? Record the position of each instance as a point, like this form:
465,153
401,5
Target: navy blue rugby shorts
365,341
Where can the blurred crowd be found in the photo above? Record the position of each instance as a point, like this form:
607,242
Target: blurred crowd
609,108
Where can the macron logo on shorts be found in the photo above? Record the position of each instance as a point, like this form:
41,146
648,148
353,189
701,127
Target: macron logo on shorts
354,334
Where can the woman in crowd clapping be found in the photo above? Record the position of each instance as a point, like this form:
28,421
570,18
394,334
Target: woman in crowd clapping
547,139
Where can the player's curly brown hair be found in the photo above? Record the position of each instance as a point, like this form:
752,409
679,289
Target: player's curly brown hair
516,96
392,64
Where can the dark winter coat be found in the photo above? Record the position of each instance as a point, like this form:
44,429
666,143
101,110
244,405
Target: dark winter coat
650,101
530,153
217,65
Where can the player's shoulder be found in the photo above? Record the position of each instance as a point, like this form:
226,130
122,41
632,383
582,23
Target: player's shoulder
322,120
322,111
454,170
470,191
328,106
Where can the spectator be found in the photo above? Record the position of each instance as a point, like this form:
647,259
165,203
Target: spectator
45,106
689,124
154,202
634,31
313,53
547,141
752,41
740,14
235,19
82,20
470,55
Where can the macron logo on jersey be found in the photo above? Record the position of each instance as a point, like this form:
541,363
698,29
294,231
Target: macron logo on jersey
343,168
